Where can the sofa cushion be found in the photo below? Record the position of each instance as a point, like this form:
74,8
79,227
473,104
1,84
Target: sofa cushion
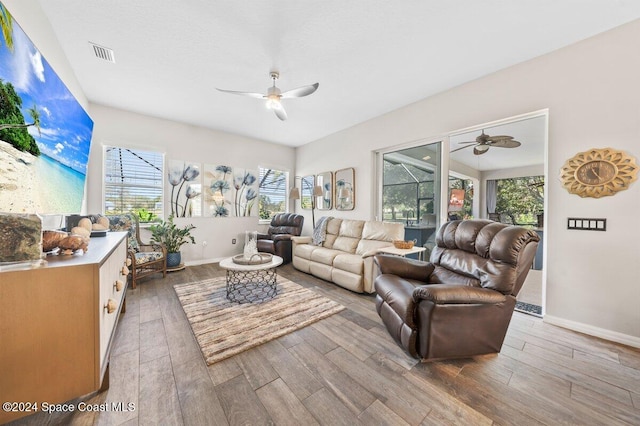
346,244
383,231
347,280
304,250
367,246
333,229
349,262
351,228
324,255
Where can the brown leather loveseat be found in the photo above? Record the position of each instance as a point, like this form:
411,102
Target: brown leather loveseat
460,303
277,240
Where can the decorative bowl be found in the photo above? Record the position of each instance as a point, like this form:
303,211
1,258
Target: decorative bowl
256,259
403,244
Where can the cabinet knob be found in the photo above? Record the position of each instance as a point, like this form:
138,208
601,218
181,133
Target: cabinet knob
111,306
119,285
125,271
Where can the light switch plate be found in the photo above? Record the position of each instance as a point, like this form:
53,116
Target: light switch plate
586,224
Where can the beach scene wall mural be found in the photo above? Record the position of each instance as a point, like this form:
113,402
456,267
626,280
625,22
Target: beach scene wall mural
45,134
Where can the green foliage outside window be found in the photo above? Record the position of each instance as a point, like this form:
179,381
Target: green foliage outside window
520,199
273,192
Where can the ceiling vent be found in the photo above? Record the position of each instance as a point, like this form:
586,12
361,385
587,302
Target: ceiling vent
103,52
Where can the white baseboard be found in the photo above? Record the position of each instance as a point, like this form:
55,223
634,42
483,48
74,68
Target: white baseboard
613,336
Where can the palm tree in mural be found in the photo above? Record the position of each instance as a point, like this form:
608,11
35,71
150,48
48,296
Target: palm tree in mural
35,116
6,23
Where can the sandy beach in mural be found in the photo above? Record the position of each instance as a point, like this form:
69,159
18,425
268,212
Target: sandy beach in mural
17,181
30,184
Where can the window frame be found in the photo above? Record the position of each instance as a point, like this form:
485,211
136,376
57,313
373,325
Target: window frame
107,146
287,205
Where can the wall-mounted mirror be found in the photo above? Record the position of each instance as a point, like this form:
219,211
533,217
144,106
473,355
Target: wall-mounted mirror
345,189
325,181
306,192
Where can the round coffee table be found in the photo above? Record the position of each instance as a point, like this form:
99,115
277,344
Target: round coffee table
251,283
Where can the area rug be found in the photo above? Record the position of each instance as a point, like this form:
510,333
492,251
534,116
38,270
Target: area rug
529,308
223,328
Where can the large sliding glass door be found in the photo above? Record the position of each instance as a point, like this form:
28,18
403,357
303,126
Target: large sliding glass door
411,187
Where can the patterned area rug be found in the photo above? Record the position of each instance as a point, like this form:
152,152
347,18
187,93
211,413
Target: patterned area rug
528,308
223,328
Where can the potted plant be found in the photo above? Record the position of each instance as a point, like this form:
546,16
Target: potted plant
173,237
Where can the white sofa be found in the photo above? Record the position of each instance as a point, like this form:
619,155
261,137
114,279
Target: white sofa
346,255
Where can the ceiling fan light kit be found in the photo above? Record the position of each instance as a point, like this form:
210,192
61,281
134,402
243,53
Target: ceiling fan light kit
275,95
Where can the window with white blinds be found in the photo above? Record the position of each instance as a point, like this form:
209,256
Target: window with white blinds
273,192
133,181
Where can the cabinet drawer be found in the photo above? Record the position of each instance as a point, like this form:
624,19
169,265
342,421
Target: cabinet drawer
111,296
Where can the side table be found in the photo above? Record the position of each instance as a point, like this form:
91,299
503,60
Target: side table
251,283
404,252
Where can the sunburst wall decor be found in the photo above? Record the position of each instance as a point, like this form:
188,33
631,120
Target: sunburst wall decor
598,172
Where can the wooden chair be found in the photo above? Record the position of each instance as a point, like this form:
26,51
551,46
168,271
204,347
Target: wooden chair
146,259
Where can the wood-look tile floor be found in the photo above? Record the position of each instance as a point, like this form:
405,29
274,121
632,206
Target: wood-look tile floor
347,370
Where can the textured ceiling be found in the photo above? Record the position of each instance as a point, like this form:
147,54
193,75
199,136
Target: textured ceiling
369,56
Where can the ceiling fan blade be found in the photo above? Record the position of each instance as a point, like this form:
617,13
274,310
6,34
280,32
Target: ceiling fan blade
458,149
250,94
300,91
461,143
506,143
498,138
280,112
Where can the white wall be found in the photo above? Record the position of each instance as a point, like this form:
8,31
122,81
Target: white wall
194,144
591,90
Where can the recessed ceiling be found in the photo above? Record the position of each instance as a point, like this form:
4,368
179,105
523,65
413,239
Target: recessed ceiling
369,56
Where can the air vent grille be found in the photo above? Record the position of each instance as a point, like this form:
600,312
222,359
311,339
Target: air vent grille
103,52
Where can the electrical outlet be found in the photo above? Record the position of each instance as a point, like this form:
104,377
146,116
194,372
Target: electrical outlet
233,241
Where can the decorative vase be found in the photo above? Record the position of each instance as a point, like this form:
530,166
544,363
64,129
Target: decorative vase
173,259
250,244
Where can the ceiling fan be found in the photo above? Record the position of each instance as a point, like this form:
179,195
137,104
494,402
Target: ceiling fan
274,95
484,142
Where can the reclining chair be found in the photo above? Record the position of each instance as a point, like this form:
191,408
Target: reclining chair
277,240
460,303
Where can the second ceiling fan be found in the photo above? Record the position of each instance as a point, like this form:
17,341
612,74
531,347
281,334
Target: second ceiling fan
274,95
484,142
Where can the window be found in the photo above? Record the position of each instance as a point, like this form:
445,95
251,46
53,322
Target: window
273,192
520,200
411,191
133,182
410,187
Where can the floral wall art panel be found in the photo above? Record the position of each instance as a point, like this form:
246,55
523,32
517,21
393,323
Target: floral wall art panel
185,183
217,193
245,192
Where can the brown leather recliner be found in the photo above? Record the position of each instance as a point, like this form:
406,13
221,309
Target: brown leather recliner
277,240
460,303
